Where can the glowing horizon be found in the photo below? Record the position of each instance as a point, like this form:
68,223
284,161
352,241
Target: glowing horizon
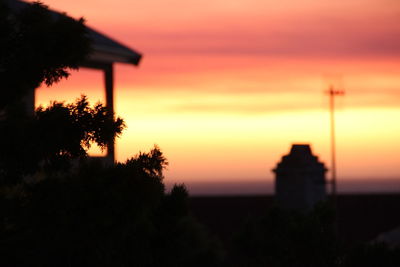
225,88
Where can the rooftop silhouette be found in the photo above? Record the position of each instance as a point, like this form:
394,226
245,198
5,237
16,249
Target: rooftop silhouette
300,179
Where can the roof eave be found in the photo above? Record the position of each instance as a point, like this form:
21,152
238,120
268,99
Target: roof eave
107,57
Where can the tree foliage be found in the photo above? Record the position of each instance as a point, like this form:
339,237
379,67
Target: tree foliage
93,214
53,137
103,216
37,46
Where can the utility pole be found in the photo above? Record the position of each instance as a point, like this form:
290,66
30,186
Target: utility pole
332,93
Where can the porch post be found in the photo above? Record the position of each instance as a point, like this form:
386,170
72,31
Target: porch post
109,85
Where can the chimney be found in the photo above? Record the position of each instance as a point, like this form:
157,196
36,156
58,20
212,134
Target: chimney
299,179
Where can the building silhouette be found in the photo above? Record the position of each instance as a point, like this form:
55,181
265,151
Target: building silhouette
300,179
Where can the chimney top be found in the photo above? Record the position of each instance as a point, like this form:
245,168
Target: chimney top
297,149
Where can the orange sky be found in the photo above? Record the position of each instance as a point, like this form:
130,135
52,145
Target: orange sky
225,87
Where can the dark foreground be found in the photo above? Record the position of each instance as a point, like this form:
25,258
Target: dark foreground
360,218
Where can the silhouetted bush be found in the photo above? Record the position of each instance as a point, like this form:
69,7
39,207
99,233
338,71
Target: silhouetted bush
115,216
53,137
89,215
37,47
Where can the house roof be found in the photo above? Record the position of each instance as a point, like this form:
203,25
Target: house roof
105,49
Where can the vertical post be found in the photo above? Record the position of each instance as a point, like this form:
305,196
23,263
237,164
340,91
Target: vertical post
333,145
332,93
109,84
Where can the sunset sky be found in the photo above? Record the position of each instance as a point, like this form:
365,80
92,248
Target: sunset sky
225,87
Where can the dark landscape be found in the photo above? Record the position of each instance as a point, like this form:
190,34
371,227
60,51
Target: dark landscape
61,206
360,218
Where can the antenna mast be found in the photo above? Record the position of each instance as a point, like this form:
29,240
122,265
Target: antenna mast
332,93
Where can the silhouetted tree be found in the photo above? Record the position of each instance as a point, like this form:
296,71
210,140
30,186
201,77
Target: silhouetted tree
95,215
53,137
104,216
36,47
